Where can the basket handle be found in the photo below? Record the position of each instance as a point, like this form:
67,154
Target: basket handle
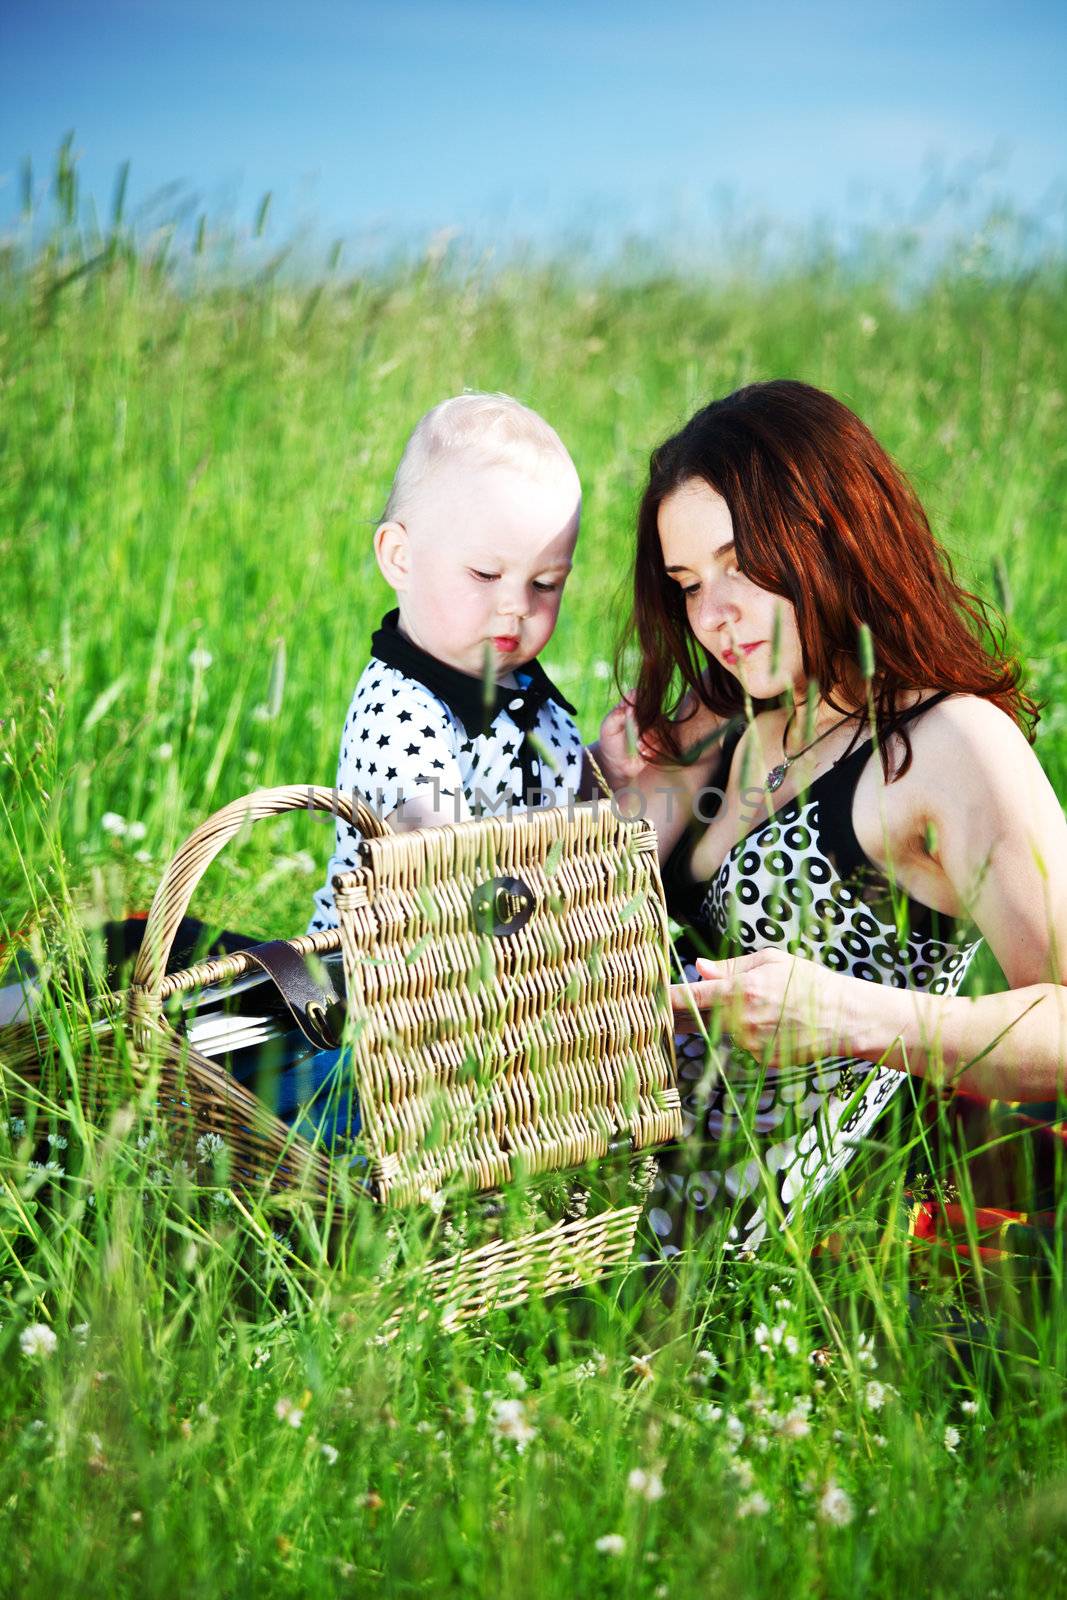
192,860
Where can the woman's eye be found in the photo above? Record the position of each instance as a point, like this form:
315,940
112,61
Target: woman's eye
690,589
484,577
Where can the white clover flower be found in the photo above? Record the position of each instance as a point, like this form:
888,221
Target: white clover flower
969,1408
952,1439
209,1145
516,1381
762,1336
646,1485
57,1141
611,1544
709,1359
262,713
136,831
880,1440
756,1505
706,1412
835,1506
865,1356
286,1411
260,1356
38,1341
795,1425
735,1430
791,1345
874,1395
508,1420
115,824
164,751
80,1331
200,659
329,1454
742,1471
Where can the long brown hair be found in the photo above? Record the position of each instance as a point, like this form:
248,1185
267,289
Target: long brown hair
822,517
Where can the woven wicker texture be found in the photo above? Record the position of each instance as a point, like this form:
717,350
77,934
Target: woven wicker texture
480,1054
466,1286
537,1039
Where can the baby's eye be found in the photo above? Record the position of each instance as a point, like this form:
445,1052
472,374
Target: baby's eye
545,588
484,577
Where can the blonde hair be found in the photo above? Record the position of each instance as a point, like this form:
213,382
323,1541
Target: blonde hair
491,429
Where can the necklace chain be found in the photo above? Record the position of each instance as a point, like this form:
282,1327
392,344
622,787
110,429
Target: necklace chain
776,777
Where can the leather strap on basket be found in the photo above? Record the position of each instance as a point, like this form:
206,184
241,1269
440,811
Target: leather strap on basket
316,1008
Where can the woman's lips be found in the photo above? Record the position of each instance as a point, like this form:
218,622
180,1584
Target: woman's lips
730,656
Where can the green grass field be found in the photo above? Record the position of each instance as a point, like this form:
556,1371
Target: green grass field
188,484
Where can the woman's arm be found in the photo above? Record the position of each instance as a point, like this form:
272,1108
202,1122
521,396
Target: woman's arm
998,834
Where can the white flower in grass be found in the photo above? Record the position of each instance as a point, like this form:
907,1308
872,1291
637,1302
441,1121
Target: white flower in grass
794,1425
611,1544
755,1505
164,751
875,1395
80,1331
646,1485
706,1412
742,1471
516,1381
735,1430
835,1506
136,831
287,1411
508,1420
38,1341
868,324
200,659
115,824
952,1439
329,1454
601,669
865,1356
791,1345
209,1145
57,1141
969,1408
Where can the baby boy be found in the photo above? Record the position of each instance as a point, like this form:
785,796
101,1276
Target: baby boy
454,714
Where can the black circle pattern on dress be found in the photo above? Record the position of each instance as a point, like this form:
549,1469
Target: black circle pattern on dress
779,888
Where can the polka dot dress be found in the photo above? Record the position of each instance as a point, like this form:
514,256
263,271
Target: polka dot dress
797,882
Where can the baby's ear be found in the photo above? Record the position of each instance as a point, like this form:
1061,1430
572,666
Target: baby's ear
392,551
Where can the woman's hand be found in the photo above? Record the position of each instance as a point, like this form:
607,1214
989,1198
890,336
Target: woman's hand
782,1008
622,752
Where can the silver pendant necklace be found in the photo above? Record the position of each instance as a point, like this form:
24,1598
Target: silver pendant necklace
776,777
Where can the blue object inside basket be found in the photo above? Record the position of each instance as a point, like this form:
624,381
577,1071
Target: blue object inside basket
312,1090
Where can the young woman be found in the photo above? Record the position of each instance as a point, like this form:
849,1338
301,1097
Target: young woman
879,811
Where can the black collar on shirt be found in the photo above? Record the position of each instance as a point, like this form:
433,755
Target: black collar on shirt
462,694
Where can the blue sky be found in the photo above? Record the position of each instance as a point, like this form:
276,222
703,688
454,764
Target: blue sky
512,120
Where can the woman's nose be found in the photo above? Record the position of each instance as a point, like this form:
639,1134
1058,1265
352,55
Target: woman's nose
715,609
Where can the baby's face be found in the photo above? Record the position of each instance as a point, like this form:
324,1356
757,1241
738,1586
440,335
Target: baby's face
486,551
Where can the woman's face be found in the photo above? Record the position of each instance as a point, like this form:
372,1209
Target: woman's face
748,630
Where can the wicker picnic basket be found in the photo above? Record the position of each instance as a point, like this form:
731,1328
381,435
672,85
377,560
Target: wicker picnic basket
507,1016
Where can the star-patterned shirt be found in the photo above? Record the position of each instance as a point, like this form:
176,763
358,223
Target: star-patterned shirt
419,727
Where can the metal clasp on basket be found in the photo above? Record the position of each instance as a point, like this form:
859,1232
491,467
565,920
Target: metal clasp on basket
502,906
